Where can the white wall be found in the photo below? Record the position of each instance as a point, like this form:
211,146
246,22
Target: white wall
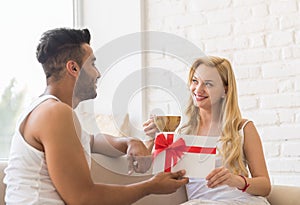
262,40
109,22
260,37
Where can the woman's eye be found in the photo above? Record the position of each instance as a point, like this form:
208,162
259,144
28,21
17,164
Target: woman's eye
208,85
194,81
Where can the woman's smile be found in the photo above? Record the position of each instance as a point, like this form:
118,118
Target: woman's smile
200,97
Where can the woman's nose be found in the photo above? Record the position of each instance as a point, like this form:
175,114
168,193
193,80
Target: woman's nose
200,87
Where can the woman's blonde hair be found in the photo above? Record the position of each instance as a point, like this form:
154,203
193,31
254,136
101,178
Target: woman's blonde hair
231,150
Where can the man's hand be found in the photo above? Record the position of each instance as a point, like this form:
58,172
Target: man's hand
139,157
167,182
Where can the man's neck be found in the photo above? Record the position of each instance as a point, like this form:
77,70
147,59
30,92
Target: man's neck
63,95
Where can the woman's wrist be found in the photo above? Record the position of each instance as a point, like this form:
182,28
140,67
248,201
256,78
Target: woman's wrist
244,183
240,183
149,138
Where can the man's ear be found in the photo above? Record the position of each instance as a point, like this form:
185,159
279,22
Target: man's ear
72,68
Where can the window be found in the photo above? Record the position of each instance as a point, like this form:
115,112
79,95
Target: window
22,78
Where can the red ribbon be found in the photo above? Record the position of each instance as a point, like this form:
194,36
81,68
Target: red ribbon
174,151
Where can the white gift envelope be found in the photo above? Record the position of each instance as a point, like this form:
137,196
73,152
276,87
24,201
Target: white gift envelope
174,152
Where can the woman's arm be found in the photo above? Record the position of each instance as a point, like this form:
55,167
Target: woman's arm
253,150
259,182
150,130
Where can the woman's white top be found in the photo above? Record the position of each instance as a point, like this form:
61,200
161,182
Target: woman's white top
26,176
199,193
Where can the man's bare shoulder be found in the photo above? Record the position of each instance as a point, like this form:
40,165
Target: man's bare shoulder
48,117
51,111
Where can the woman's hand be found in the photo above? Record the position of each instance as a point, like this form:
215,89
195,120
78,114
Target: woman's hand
222,176
150,128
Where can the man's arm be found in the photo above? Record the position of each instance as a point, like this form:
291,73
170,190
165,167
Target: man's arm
69,170
116,146
138,156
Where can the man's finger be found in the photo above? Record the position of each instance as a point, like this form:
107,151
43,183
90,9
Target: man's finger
183,180
130,160
143,164
178,174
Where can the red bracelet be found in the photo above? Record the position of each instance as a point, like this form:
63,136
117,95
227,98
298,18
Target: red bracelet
246,184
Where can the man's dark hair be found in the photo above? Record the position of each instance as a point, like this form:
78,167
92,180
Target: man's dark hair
60,45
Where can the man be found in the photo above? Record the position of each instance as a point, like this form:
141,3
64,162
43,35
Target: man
50,154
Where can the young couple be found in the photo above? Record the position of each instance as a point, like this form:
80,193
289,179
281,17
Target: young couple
49,161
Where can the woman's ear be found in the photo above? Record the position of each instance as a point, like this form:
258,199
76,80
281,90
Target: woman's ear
225,92
225,89
72,68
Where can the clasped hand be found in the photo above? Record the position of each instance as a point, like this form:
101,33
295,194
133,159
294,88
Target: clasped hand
138,156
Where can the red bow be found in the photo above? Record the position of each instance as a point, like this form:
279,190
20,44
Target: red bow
174,151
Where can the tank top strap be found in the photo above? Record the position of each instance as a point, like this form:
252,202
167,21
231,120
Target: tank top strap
40,100
241,131
245,123
33,105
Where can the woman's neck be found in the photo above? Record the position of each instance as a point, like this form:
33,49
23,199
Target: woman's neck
210,123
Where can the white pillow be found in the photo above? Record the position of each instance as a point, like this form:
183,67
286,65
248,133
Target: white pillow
114,125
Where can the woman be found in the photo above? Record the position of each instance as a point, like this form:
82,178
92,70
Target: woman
213,110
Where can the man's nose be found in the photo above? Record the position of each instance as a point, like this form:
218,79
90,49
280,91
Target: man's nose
98,74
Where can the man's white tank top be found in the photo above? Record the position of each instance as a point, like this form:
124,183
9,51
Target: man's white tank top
26,176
